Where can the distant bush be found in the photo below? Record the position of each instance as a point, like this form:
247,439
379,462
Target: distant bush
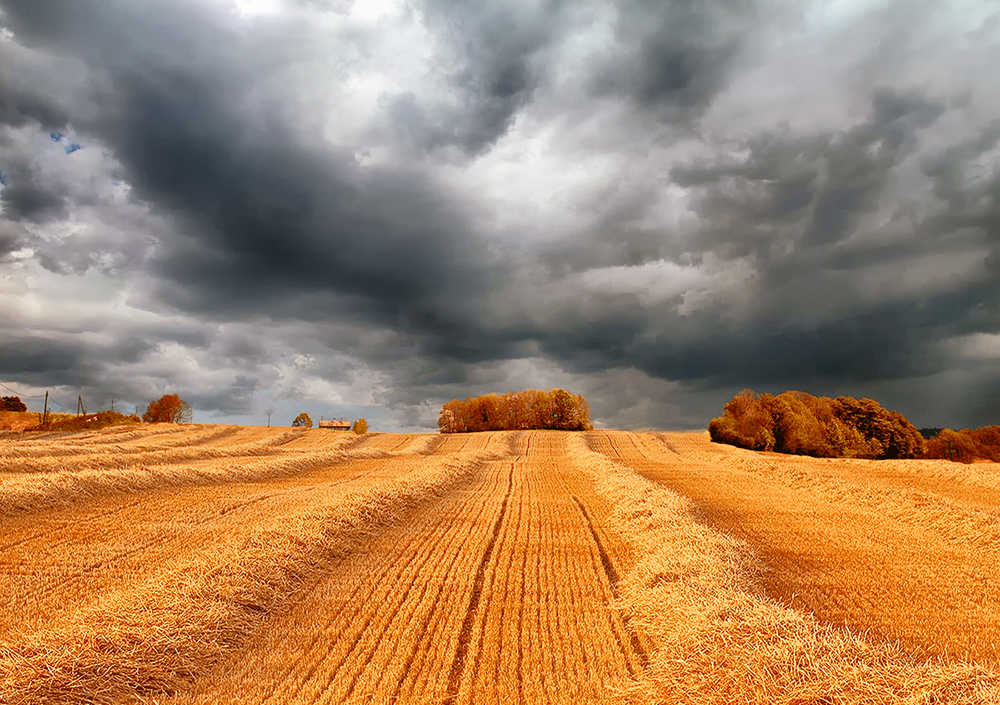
169,408
18,420
12,404
360,427
967,445
802,424
89,422
303,420
555,409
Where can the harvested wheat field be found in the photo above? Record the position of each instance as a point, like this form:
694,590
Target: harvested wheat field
211,564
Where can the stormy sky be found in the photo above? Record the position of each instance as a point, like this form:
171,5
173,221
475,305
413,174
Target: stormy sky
368,208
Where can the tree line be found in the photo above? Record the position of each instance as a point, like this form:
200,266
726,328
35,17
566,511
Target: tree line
531,409
803,424
845,427
966,445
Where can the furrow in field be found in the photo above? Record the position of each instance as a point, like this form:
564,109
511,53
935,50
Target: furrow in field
239,558
717,638
860,544
66,558
101,456
498,593
26,492
458,663
344,631
622,632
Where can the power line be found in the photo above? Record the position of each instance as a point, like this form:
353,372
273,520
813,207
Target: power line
20,394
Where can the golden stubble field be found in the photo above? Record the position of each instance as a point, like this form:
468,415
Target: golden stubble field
213,564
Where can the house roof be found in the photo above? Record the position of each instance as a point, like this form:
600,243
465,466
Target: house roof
334,423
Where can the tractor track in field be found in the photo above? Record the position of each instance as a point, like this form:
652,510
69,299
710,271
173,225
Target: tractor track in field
874,546
71,563
277,567
499,592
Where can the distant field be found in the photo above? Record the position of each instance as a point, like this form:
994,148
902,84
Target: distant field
215,564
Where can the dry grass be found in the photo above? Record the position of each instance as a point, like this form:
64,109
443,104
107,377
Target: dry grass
247,565
150,636
57,472
904,549
721,639
497,593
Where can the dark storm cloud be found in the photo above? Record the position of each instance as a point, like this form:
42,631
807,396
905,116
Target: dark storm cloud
792,195
674,56
492,56
271,212
27,356
971,202
832,235
795,206
235,398
64,362
10,240
26,198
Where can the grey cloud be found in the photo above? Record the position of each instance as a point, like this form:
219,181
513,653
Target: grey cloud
492,54
10,240
802,193
971,198
30,356
388,265
26,199
44,361
674,56
271,211
234,398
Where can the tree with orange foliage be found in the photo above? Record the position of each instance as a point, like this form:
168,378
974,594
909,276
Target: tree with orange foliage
557,409
169,408
12,404
967,445
799,423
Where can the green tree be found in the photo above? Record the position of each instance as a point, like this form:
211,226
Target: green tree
303,420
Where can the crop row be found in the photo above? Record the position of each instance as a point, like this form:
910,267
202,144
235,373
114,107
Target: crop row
149,594
718,637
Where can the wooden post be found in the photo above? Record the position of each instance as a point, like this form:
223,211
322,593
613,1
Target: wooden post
45,413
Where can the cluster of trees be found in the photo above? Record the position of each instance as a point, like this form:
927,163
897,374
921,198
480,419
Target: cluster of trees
966,445
12,404
555,409
802,424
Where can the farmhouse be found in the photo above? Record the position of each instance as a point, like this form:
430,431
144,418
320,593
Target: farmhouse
335,424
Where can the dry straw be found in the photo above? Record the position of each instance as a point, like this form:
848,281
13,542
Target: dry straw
721,641
159,636
54,481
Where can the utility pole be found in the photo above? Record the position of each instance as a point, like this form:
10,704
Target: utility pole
45,413
112,403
